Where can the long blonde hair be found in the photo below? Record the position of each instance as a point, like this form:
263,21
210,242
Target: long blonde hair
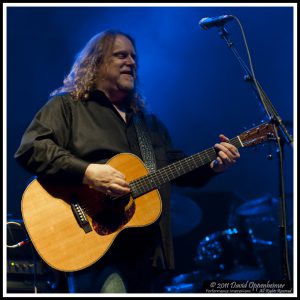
80,82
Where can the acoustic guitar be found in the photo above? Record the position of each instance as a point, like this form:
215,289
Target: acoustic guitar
72,227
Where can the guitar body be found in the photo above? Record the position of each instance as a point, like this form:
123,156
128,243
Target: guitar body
55,231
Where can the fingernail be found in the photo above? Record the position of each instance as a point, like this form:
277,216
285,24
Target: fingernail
216,162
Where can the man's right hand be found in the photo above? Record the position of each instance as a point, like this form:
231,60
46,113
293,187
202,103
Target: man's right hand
106,179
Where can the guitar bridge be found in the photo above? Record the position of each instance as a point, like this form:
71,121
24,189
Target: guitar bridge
80,215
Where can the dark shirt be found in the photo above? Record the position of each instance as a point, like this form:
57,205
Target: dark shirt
66,136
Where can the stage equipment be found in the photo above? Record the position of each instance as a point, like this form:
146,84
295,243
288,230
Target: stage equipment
26,271
282,135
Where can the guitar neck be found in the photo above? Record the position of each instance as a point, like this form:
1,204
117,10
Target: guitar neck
166,174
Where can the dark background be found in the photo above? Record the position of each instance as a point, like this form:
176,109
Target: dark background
190,79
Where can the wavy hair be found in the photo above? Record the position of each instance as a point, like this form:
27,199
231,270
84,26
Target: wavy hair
81,80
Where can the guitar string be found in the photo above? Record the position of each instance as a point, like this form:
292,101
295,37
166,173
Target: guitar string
153,180
176,170
145,183
182,164
181,167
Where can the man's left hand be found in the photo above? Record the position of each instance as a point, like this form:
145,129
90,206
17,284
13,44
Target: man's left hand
227,155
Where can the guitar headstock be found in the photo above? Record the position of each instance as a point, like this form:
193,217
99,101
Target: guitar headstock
257,135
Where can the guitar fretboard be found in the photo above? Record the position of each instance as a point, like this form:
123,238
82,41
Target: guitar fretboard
166,174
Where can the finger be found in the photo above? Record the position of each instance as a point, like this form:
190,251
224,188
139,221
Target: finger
218,162
224,157
119,174
229,149
229,146
223,138
120,182
222,148
116,189
217,165
116,173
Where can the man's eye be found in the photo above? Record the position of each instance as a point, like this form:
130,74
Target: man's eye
120,55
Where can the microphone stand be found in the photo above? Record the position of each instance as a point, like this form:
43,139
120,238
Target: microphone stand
277,121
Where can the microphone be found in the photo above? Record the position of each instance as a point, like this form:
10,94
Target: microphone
207,22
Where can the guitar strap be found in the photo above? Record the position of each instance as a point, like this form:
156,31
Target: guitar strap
145,144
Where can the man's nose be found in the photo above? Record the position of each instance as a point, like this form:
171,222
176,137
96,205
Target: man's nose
130,60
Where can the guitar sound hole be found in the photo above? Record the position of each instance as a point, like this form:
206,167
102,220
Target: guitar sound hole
110,221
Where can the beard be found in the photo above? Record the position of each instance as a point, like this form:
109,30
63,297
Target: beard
123,85
126,84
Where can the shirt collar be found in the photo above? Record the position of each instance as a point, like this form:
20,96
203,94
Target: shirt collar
101,98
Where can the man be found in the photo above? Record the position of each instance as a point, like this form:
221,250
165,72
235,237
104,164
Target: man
86,122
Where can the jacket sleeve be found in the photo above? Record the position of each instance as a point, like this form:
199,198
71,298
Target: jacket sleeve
43,149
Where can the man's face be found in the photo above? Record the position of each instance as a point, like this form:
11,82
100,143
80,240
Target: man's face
118,73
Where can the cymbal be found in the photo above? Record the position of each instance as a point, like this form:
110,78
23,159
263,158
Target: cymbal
258,206
185,214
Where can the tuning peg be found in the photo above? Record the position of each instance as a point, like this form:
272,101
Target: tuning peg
269,156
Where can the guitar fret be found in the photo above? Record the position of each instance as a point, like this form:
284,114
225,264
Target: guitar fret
195,161
172,171
207,155
177,169
166,174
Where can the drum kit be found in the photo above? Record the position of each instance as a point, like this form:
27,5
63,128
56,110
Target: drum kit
247,250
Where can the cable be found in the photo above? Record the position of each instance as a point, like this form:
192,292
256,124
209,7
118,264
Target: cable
23,243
